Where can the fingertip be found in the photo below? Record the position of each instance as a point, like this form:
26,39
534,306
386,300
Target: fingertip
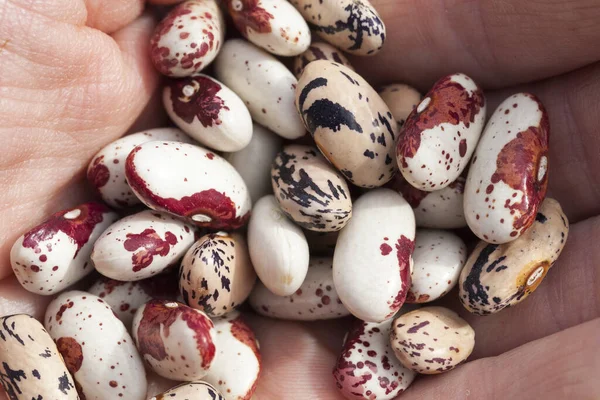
109,16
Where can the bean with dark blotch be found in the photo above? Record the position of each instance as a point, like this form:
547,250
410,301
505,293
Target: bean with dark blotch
372,261
98,351
189,181
401,99
316,299
367,367
141,245
499,276
438,259
106,171
191,390
439,136
236,370
319,51
216,274
188,38
274,25
431,340
309,190
32,367
508,177
350,123
56,253
209,112
351,25
176,341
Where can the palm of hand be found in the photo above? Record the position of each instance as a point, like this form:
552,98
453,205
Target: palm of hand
67,89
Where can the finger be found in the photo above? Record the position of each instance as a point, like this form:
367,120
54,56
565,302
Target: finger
498,43
153,115
562,366
16,300
112,15
165,2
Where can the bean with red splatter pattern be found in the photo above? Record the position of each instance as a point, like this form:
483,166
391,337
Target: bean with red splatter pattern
319,51
508,177
209,112
32,367
106,171
372,261
401,99
189,181
56,253
316,299
274,25
432,340
188,38
176,341
499,276
237,367
191,390
98,351
440,135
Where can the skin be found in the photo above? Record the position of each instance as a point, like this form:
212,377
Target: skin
67,89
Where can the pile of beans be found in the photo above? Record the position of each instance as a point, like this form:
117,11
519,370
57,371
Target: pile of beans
361,217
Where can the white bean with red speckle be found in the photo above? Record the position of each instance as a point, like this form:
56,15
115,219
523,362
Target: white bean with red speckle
278,248
209,112
438,259
440,135
264,83
189,181
432,340
188,39
401,99
316,299
508,177
274,25
191,390
238,365
141,245
55,254
319,51
372,261
176,341
106,171
96,347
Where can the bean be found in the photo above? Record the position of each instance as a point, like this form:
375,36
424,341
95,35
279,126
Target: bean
508,177
319,51
499,276
401,99
431,340
32,366
56,253
191,390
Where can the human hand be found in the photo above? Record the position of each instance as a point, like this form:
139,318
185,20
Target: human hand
66,90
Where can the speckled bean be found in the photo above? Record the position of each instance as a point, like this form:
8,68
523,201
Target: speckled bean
401,100
209,112
499,276
56,253
351,25
278,248
238,364
106,171
189,391
440,209
372,261
440,135
98,351
216,274
350,123
508,177
254,161
274,25
188,38
432,340
309,190
264,83
316,299
319,51
438,259
367,367
32,366
189,181
176,341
